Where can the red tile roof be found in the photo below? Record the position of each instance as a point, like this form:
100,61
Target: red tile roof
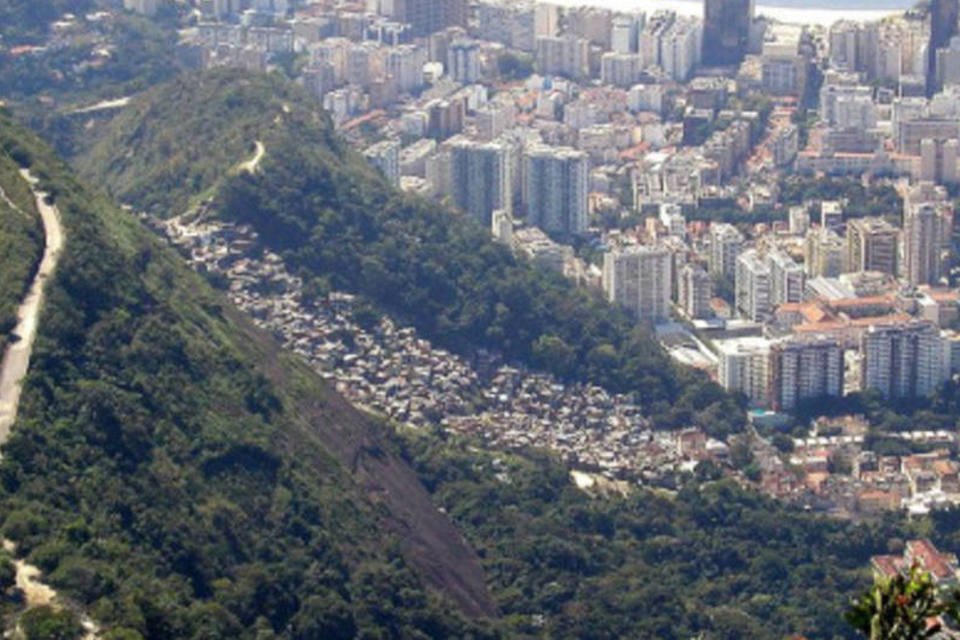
926,554
888,566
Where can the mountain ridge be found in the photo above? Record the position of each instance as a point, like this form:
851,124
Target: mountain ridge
337,223
260,445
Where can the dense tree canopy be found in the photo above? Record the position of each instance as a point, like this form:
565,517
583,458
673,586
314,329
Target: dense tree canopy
180,479
21,244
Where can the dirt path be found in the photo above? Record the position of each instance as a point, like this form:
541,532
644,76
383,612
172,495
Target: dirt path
251,165
16,361
105,105
17,358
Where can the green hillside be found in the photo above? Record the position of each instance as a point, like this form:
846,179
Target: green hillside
26,21
712,561
337,221
21,243
92,59
181,478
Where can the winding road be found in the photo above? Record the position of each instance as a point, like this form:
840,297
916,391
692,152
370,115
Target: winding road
16,360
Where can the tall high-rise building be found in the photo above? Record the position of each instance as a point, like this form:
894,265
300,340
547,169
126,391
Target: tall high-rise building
624,32
725,245
846,44
752,290
652,34
463,61
906,360
695,288
428,16
480,178
745,368
948,63
621,69
555,189
546,19
786,279
872,245
799,220
804,369
563,55
511,22
680,48
726,31
943,26
385,156
638,279
922,237
404,65
825,253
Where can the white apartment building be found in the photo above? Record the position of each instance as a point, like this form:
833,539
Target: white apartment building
745,368
922,238
695,289
752,290
725,244
786,279
556,189
564,56
804,369
480,178
638,279
904,360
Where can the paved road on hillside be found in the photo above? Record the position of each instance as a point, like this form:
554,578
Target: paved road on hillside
16,360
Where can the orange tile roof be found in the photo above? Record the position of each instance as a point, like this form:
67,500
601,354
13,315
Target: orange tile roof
865,301
930,559
944,467
889,566
944,295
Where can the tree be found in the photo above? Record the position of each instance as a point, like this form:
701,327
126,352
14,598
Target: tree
904,607
553,354
8,573
514,66
782,442
47,623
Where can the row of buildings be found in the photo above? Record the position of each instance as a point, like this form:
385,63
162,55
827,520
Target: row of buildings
547,186
902,360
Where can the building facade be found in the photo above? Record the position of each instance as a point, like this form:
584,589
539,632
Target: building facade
638,279
872,245
480,179
556,189
922,238
904,360
726,31
804,369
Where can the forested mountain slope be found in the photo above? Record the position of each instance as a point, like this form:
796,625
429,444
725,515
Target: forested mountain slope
102,56
228,499
711,561
26,21
338,222
176,474
21,243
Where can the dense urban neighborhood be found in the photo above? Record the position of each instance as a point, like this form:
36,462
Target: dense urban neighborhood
775,198
479,319
779,206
